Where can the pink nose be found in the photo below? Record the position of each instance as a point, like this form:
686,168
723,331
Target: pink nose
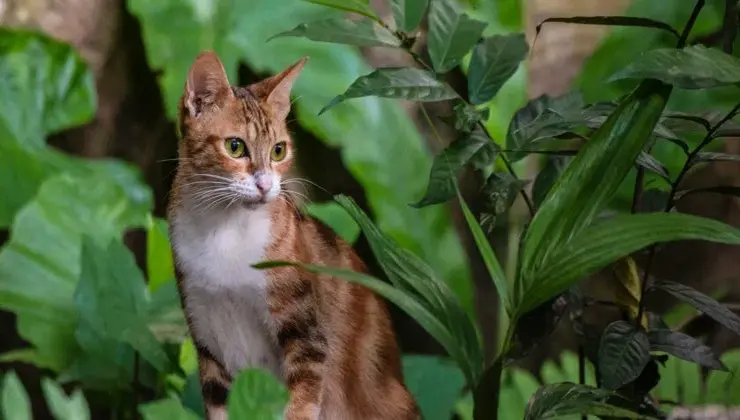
264,183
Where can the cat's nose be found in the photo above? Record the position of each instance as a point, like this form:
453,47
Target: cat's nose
264,183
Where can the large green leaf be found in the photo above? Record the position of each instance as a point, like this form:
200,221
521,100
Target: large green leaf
694,67
360,7
170,409
452,34
40,265
435,384
63,407
14,402
379,143
564,399
494,61
364,32
256,394
402,83
336,217
408,13
684,347
623,353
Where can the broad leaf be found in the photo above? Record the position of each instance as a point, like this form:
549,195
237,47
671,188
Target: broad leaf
14,402
500,191
160,266
435,383
63,407
170,409
401,83
612,21
446,166
336,217
695,67
363,33
408,13
257,394
684,347
566,399
701,301
361,7
623,354
451,35
494,61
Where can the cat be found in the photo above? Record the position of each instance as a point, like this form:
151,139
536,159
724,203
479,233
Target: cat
331,342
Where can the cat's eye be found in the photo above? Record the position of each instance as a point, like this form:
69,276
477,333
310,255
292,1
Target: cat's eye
279,151
235,147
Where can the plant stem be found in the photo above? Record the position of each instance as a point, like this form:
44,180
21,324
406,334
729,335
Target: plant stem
582,369
690,24
729,26
639,185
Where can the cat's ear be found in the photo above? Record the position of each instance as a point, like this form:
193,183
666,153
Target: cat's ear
275,90
207,83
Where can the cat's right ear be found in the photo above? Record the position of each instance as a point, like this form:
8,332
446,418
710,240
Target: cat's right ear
207,84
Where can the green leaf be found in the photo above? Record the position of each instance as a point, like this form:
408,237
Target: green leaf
694,67
363,33
452,34
14,399
408,13
446,166
701,301
402,83
63,407
165,316
612,21
623,353
553,168
188,359
337,218
435,383
715,157
684,347
360,7
160,268
500,191
256,394
45,87
564,399
170,409
649,162
494,61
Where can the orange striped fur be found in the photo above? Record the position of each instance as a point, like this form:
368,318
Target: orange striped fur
330,341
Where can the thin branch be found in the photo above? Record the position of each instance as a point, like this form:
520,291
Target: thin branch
690,24
729,26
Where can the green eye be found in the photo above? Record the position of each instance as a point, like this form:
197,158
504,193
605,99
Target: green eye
235,147
279,151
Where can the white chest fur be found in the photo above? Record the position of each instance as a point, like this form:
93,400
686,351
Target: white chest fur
224,296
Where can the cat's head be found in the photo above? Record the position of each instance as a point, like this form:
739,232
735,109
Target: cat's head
236,146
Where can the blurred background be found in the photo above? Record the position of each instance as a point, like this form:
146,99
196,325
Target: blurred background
87,149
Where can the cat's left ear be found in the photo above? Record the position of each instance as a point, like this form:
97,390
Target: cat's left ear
275,90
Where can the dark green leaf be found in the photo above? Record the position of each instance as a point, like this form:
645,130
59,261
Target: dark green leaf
623,354
446,166
494,61
612,21
467,117
535,326
715,157
727,133
553,168
653,200
360,7
650,163
257,394
684,347
565,399
723,189
452,34
170,409
334,216
63,407
679,119
363,33
401,83
435,383
14,399
500,191
695,67
701,301
408,13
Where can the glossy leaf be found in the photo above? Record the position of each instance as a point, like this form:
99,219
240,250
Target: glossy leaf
567,399
612,21
14,402
701,301
257,394
361,7
400,83
334,216
494,61
684,347
170,409
623,353
447,165
363,33
408,13
435,383
695,67
63,407
452,34
160,266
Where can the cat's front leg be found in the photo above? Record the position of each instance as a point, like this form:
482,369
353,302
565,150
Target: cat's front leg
215,383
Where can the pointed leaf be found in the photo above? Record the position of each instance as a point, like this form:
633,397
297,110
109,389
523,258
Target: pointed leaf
452,34
701,301
649,162
363,32
401,83
63,407
494,61
361,7
715,157
408,13
694,67
564,399
629,288
500,191
257,394
612,21
684,347
14,402
623,354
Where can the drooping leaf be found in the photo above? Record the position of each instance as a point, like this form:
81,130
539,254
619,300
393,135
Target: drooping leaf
363,32
494,61
701,301
334,216
446,166
452,34
629,288
361,7
684,347
535,326
694,67
623,354
257,394
500,191
611,21
14,402
401,83
408,13
652,164
715,157
160,268
435,383
63,407
565,399
170,409
722,189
